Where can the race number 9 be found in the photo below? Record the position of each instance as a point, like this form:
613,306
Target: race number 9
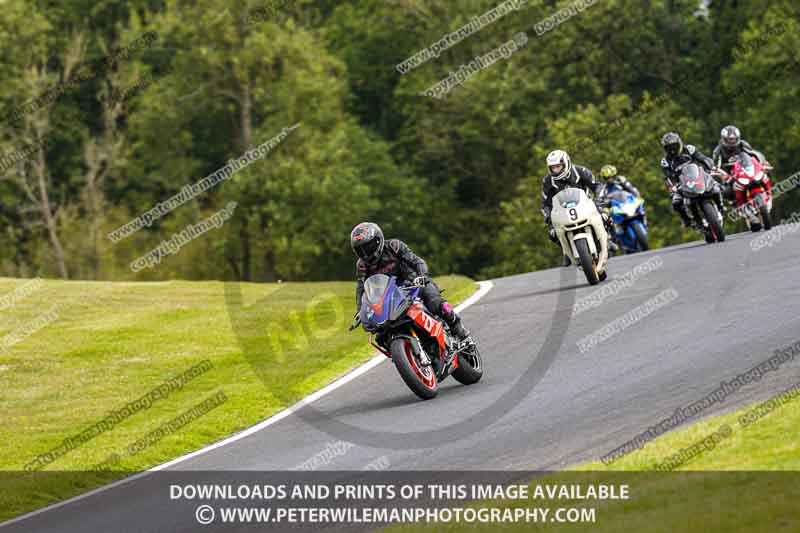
573,214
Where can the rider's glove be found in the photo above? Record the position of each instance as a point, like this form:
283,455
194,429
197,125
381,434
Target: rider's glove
605,216
421,280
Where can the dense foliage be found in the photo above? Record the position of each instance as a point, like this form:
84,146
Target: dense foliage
109,107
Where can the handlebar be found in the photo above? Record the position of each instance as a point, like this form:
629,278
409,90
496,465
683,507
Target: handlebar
720,173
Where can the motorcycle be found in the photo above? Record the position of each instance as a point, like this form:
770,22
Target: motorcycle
421,347
581,232
629,219
699,189
752,190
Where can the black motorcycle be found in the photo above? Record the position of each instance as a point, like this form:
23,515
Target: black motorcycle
700,192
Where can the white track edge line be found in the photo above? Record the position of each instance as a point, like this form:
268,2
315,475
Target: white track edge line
483,288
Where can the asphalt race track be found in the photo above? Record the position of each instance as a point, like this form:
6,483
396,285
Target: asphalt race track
542,403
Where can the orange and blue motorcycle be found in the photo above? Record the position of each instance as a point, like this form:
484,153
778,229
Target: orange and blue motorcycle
420,345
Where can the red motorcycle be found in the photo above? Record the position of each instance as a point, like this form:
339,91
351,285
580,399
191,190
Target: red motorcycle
752,188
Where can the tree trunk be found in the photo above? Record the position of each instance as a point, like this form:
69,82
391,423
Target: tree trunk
270,266
47,214
244,236
246,110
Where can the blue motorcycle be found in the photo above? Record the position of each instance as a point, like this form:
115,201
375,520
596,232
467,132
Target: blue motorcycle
629,219
420,345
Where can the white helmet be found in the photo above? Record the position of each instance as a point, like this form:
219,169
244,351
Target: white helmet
561,158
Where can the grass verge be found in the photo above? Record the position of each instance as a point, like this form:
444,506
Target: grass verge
108,365
741,477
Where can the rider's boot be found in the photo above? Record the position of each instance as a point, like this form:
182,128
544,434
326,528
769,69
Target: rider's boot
567,261
720,201
454,321
686,221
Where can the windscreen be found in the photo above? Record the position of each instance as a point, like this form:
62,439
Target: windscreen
747,163
691,172
375,286
569,196
620,196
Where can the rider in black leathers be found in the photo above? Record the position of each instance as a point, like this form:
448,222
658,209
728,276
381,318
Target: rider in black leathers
677,155
561,175
393,257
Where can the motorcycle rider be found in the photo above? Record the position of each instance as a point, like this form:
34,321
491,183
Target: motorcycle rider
676,155
614,182
561,175
393,257
730,146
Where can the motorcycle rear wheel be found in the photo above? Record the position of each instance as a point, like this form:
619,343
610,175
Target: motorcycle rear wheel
420,379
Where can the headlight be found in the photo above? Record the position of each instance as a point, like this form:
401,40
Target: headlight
743,181
759,176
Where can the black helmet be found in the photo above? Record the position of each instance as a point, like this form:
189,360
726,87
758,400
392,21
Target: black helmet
366,240
672,143
730,139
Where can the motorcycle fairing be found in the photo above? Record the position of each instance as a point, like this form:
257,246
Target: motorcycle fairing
428,323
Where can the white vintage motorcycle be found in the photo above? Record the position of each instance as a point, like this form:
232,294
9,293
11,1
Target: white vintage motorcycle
581,232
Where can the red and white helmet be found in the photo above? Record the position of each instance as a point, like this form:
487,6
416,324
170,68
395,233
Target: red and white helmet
559,165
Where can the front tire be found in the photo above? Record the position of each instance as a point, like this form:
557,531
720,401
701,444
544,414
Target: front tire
763,210
420,379
712,217
587,261
470,366
641,237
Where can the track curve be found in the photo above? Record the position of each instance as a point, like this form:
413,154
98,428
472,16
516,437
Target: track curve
734,306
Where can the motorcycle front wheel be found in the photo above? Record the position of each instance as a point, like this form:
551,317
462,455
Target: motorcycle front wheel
714,225
763,211
641,237
587,261
420,379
